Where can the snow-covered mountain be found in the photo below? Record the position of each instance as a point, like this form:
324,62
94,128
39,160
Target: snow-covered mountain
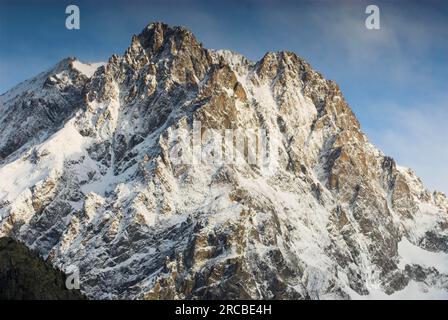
90,178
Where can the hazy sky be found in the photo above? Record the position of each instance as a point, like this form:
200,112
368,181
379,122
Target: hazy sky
395,78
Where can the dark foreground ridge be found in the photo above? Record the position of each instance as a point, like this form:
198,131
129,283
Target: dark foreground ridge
25,276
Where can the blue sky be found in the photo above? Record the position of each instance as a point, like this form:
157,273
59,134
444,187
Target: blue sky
395,78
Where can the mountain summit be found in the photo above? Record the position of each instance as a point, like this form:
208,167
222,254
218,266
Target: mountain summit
93,177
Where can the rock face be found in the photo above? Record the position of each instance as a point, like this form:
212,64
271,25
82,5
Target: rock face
90,179
23,275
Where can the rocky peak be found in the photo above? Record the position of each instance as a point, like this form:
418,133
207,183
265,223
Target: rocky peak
282,62
38,107
158,37
175,47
